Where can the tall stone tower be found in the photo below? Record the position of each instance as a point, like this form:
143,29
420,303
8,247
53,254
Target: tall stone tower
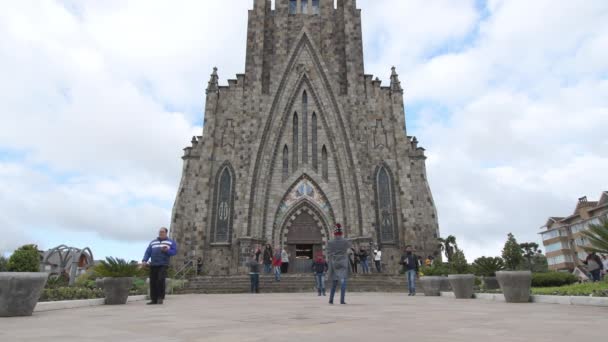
302,140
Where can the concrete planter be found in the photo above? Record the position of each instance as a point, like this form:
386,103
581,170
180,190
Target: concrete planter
462,285
515,285
117,290
431,285
20,291
490,283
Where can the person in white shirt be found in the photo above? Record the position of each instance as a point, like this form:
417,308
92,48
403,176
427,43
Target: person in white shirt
285,261
378,260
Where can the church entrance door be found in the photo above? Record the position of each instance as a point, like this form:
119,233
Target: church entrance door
304,241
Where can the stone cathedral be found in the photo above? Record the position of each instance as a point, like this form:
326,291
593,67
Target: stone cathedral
302,140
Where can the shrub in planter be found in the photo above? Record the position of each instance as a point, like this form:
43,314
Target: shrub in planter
433,280
487,267
118,276
461,282
70,293
553,279
20,288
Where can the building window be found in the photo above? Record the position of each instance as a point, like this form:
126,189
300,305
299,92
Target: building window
224,205
304,6
384,201
293,6
555,247
285,163
315,161
315,6
324,167
295,142
304,128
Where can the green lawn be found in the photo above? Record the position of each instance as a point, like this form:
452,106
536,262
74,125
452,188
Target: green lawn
599,289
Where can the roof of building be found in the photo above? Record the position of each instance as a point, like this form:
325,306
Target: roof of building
582,203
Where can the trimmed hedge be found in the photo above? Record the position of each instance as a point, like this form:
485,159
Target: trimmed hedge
70,293
598,289
553,279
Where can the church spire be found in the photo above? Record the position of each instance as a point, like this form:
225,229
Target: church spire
213,82
395,83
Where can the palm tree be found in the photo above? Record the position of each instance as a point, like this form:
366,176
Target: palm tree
598,236
448,245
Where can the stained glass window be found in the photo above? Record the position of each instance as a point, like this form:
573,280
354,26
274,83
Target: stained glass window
304,6
315,6
293,6
315,161
325,169
285,163
295,142
223,212
304,128
385,205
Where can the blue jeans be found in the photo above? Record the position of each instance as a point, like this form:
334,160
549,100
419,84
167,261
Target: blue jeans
334,285
411,281
277,273
364,266
596,275
267,268
255,282
320,278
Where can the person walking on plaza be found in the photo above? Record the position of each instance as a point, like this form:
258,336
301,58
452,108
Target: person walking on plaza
338,267
267,258
284,261
276,264
363,258
159,252
254,272
594,265
319,267
378,260
410,263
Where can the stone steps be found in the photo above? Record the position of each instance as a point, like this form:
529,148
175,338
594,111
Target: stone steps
291,283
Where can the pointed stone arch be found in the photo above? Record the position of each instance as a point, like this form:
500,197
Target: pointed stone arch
267,147
320,201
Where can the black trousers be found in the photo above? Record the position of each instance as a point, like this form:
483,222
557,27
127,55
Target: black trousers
158,274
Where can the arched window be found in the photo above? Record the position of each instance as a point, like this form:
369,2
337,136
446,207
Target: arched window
293,6
385,214
304,6
224,189
285,163
315,161
295,142
315,6
304,128
324,166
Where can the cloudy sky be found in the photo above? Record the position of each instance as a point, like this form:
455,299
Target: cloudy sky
510,99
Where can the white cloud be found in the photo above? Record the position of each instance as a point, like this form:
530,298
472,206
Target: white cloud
101,96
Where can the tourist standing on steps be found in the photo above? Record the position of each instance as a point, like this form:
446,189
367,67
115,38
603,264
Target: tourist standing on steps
254,272
338,267
276,264
258,251
378,260
159,251
319,267
410,263
267,258
363,258
284,261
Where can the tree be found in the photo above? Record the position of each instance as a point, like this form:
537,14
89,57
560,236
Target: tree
449,246
459,264
529,250
25,259
3,264
512,253
598,237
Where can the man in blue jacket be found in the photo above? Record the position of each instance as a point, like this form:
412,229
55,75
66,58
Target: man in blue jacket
160,250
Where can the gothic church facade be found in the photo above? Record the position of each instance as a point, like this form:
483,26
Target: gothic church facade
302,140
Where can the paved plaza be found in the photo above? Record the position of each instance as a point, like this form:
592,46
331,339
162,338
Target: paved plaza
306,317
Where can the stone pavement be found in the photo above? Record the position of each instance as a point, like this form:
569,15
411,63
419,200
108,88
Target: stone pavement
306,317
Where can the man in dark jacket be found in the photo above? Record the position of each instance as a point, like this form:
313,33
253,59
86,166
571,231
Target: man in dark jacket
410,263
319,267
338,267
267,259
254,272
160,250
